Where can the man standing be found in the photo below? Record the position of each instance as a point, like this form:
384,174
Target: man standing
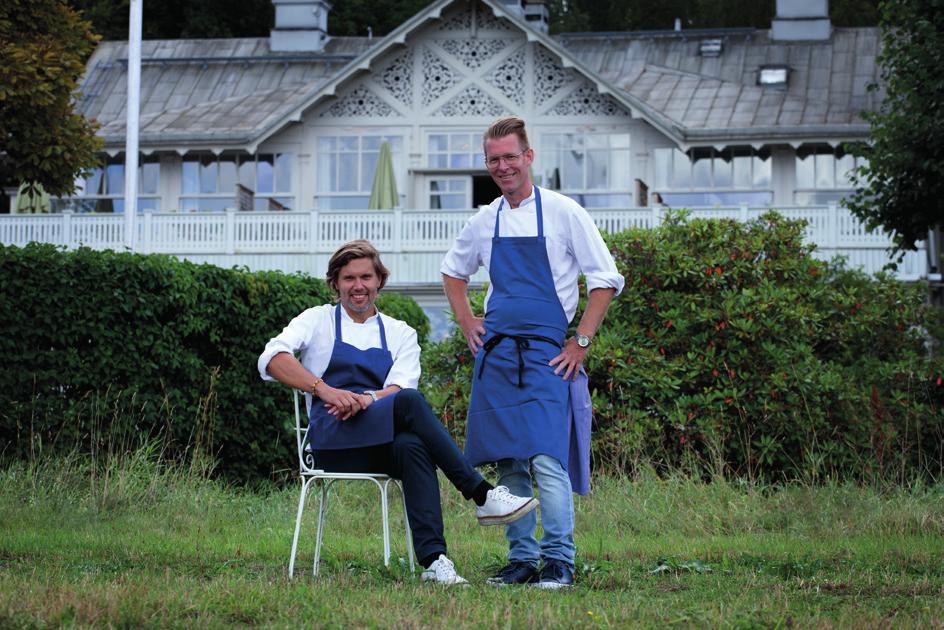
534,243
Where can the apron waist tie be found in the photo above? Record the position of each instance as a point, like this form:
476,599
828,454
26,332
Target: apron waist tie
521,341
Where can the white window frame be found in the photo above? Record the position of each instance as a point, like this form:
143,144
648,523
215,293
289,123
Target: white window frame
665,177
549,157
191,201
86,201
328,197
454,151
811,193
449,180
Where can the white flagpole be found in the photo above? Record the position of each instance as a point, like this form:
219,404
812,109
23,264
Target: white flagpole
134,106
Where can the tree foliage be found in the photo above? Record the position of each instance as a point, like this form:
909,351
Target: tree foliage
902,187
43,44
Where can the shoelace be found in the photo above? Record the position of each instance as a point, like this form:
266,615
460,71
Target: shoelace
502,493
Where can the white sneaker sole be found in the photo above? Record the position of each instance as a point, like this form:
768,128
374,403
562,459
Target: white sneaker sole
511,517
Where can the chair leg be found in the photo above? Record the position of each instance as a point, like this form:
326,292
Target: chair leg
409,532
386,523
319,535
298,523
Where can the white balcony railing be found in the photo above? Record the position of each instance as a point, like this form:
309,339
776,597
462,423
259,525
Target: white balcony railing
413,241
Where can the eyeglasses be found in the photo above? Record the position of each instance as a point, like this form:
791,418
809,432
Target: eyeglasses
511,159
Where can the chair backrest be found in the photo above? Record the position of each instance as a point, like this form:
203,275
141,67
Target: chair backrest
306,458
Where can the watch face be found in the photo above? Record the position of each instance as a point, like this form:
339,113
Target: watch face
583,341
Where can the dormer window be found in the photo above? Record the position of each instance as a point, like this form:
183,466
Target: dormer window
773,76
710,47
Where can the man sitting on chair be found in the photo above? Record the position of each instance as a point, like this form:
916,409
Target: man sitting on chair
359,369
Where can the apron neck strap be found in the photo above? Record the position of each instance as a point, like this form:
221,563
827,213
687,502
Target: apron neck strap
339,338
538,206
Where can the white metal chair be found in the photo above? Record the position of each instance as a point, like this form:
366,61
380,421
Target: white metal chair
324,481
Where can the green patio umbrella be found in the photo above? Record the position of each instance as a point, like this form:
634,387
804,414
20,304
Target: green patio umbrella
383,192
32,200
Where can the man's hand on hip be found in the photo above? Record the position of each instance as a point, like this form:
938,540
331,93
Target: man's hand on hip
570,360
473,330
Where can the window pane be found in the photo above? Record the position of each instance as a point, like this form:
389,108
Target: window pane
370,143
115,174
228,173
94,185
825,165
701,172
597,169
283,171
804,172
327,172
265,177
572,172
348,143
247,171
741,165
347,173
551,141
457,185
344,203
369,169
148,177
460,160
761,172
722,172
460,142
327,144
844,166
147,204
681,170
620,171
208,172
607,200
438,142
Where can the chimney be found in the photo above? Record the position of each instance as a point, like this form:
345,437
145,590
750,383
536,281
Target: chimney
534,12
537,15
300,26
801,20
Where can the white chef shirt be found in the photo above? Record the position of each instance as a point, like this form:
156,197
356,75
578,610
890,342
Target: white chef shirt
312,335
574,245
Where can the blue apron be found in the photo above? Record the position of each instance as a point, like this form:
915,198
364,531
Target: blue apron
355,370
519,408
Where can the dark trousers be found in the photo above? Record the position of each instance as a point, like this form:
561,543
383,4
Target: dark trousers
420,445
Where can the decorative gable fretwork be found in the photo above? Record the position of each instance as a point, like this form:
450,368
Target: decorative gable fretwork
472,52
397,78
360,102
472,101
471,65
437,77
549,76
586,100
508,77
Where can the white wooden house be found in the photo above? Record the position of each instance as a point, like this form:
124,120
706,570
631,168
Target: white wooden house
726,121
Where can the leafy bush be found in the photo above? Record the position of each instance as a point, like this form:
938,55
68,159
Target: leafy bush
732,347
105,344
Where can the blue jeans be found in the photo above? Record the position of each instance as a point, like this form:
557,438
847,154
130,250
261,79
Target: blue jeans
557,510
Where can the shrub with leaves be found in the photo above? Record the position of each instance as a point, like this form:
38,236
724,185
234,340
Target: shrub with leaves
105,344
734,348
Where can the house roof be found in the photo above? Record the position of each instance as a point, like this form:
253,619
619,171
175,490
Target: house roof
225,93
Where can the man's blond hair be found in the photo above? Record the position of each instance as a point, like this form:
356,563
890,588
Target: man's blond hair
354,250
505,127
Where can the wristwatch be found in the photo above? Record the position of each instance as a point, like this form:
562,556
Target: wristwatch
582,340
372,394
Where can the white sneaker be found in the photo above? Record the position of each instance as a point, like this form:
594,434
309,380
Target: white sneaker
502,507
442,571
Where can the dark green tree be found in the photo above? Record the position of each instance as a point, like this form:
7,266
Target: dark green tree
901,189
42,139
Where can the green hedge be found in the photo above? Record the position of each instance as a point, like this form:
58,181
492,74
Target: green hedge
106,347
734,349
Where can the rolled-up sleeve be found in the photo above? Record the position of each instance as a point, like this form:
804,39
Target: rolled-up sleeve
594,259
294,338
405,370
463,259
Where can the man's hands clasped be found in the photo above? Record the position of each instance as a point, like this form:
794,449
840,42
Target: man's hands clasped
343,404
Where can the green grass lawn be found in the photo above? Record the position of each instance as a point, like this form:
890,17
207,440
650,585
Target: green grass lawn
137,545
